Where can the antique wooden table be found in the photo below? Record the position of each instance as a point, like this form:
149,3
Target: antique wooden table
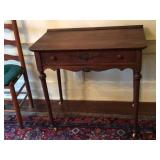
87,49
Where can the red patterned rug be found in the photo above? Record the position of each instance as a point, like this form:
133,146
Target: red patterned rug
76,128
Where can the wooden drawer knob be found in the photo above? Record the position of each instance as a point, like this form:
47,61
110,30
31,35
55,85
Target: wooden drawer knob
54,58
120,56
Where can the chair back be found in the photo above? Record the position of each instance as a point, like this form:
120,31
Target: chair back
16,42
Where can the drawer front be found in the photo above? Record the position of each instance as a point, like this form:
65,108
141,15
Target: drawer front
89,58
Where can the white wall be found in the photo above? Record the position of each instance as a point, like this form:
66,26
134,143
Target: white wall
106,85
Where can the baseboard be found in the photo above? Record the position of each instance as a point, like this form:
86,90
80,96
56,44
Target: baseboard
100,107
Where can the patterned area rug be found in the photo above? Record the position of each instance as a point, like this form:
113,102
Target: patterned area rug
76,128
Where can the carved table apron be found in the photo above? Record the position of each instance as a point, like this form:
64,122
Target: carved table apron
86,49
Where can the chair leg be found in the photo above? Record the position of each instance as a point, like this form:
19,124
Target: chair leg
28,88
16,105
59,85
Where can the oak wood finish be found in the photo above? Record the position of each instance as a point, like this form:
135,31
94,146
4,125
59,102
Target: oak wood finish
97,49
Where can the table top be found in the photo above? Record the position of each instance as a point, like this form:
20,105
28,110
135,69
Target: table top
114,37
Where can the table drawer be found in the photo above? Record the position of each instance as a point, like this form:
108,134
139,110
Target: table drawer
88,57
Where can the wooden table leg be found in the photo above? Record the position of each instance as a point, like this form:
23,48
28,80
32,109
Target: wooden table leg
46,95
59,85
136,86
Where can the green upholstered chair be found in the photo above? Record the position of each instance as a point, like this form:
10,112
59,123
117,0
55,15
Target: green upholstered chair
13,72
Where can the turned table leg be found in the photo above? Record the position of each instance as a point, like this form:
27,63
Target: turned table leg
59,85
136,86
46,95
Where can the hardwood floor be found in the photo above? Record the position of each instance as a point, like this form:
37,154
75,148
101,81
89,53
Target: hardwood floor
96,108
